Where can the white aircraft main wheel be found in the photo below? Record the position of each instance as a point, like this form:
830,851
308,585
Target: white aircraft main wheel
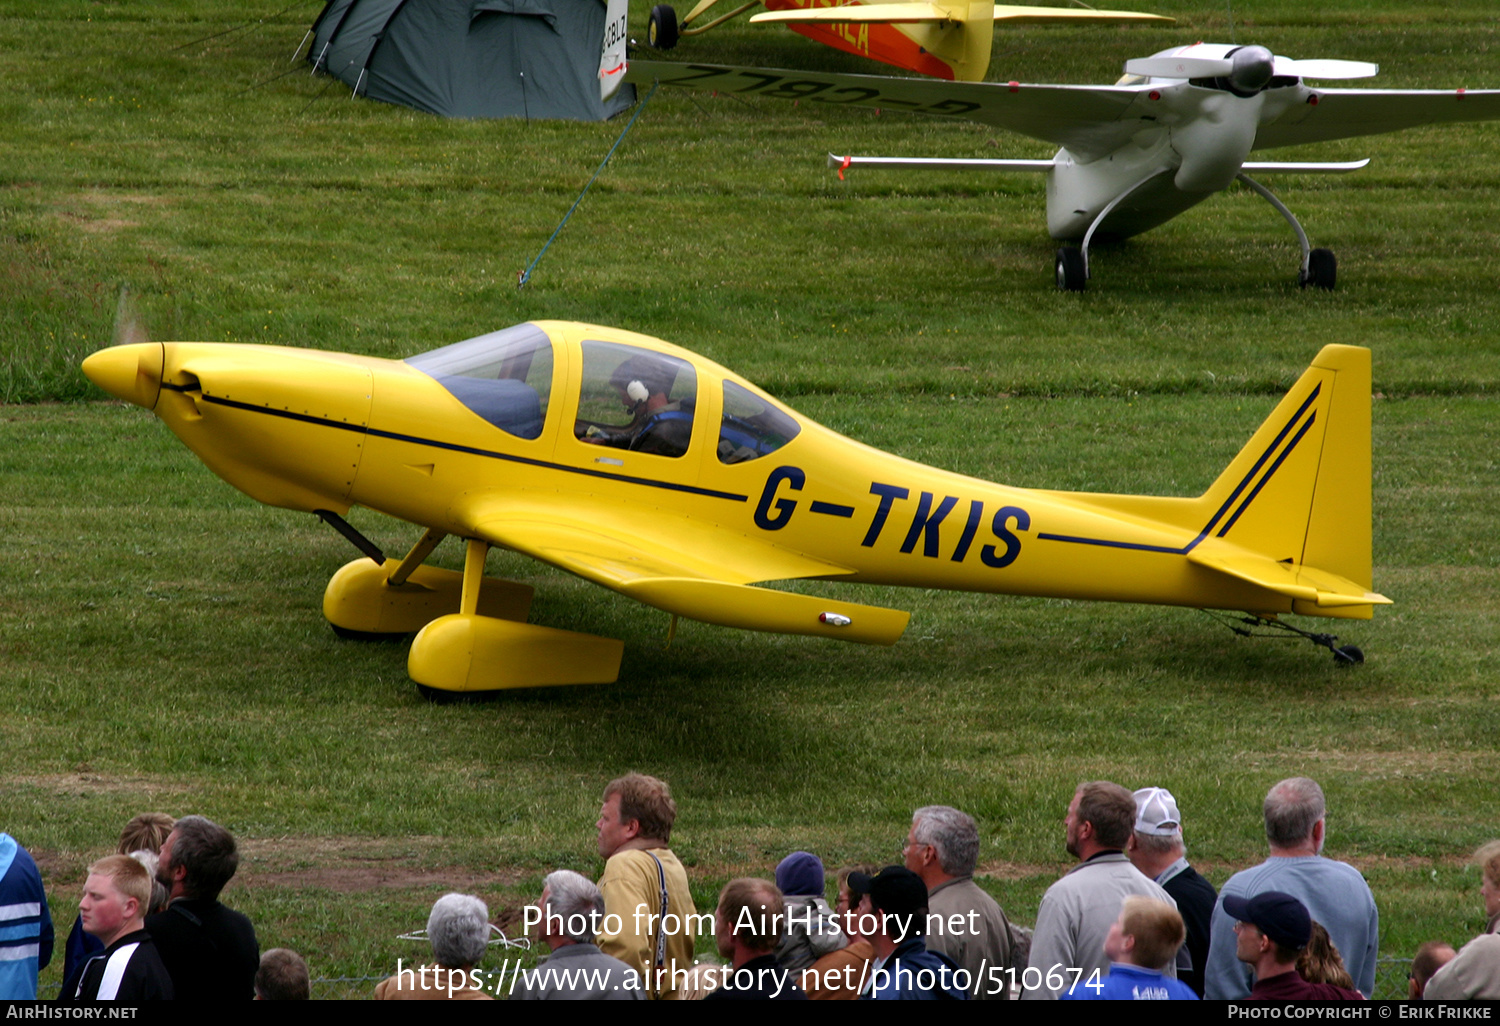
1322,269
1071,276
661,28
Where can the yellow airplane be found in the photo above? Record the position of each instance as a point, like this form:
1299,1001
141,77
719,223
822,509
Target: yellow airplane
949,39
645,468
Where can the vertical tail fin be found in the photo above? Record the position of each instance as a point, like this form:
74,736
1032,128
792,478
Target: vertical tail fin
1299,491
1294,505
965,47
1291,512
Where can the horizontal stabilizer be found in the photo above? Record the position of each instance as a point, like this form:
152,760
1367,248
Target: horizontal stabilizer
917,13
941,163
761,609
1324,589
1300,167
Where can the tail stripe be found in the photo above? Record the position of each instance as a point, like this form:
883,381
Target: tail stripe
1229,501
1269,474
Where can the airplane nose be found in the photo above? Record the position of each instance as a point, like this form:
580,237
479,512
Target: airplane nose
1253,68
131,372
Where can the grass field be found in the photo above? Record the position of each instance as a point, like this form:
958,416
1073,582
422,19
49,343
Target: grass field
161,644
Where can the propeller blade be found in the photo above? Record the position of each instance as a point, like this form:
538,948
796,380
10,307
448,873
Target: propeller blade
1326,68
1179,67
129,327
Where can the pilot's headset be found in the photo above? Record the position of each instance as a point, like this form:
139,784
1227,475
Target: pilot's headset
637,393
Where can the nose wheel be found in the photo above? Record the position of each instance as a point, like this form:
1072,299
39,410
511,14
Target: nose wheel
1072,273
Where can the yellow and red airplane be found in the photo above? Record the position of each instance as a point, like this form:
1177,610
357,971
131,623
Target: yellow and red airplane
645,468
948,39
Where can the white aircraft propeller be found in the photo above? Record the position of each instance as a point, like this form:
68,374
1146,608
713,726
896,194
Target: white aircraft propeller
1248,68
1329,69
128,324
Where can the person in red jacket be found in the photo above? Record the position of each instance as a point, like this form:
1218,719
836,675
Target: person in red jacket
1271,929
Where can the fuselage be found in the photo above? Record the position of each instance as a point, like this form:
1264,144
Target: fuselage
1194,138
310,430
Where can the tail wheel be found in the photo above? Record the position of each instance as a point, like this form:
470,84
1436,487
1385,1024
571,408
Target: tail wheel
1071,274
661,28
1322,270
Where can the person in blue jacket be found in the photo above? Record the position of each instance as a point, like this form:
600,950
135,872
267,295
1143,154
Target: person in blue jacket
1140,945
25,923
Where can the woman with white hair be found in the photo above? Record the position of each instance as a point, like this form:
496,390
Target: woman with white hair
459,930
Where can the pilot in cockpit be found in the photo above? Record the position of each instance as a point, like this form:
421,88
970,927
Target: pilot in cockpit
657,424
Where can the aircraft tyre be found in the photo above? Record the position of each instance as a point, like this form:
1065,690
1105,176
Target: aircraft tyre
1071,276
661,27
438,696
352,635
1322,270
1348,655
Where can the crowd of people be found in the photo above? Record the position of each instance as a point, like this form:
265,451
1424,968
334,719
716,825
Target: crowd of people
1131,920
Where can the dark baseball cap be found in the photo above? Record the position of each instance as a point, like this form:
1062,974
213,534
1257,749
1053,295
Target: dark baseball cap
894,889
1276,914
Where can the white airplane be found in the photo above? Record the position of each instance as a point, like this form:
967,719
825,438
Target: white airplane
1176,129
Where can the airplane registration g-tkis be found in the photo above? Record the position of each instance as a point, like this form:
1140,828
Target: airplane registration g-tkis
645,468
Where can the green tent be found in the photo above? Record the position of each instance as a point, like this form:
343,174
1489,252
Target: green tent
479,58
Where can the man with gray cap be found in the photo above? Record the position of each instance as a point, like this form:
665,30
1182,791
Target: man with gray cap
1334,893
1270,930
1157,850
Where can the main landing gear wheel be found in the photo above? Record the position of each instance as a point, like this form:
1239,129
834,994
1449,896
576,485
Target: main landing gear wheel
661,27
1322,270
1071,274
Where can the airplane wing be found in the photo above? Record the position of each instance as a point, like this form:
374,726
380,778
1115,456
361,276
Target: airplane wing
1089,120
700,571
1346,113
913,13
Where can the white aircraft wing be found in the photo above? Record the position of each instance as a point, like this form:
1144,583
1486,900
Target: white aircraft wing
1089,120
1346,113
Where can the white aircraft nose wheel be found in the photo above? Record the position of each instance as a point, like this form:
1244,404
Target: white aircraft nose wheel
1322,270
1071,275
661,27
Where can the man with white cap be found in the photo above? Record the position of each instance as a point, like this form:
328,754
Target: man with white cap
1157,850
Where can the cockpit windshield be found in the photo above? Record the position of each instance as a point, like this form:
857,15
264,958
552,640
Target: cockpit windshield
505,376
752,427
